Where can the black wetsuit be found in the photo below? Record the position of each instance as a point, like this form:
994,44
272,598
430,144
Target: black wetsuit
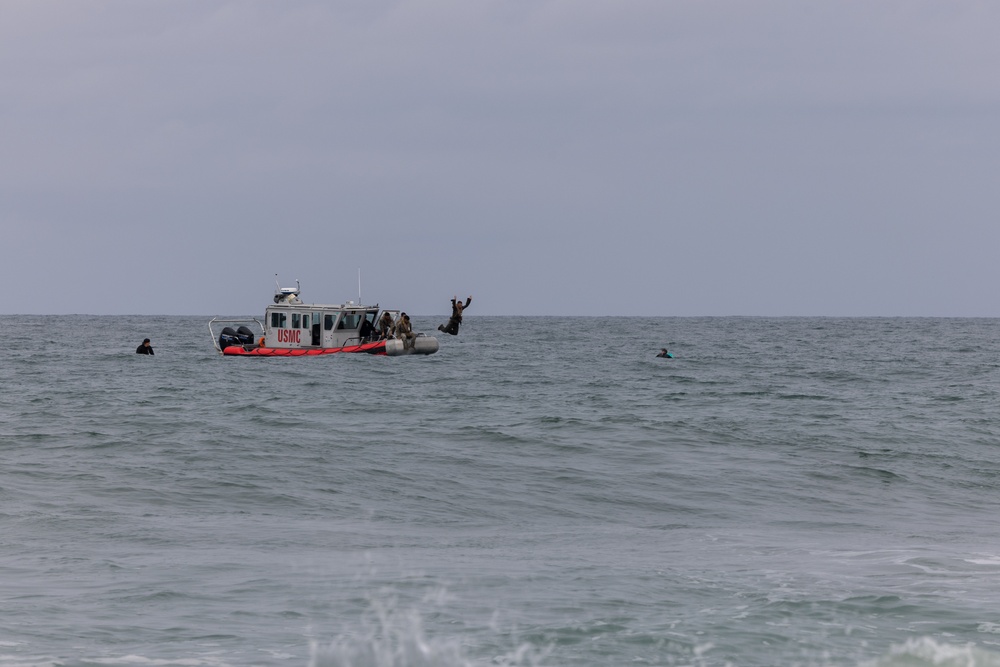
456,317
142,349
366,329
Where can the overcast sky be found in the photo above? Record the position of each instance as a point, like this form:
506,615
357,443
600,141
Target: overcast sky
567,157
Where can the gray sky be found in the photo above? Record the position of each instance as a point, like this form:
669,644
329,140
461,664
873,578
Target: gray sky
567,157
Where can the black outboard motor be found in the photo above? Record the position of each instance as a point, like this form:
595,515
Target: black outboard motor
228,338
245,335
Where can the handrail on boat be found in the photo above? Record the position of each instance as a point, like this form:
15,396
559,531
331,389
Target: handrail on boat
244,320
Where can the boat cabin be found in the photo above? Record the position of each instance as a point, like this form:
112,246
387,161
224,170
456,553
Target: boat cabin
289,323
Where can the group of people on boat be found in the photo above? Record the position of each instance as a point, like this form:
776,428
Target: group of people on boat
389,328
402,328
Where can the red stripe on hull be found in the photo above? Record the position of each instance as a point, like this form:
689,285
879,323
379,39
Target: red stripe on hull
378,347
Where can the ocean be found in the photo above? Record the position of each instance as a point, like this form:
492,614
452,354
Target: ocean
543,491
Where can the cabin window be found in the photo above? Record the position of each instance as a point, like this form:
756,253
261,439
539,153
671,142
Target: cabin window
278,320
328,321
349,321
305,321
296,320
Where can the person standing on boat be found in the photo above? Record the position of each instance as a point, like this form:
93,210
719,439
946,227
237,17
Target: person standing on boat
367,329
456,316
145,348
385,325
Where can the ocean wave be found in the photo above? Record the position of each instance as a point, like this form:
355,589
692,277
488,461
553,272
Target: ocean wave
928,652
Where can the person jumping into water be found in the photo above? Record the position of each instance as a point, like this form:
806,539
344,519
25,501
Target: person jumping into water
456,316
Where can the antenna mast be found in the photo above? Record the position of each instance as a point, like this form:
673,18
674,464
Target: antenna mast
359,287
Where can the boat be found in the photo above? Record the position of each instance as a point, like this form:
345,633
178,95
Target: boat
292,328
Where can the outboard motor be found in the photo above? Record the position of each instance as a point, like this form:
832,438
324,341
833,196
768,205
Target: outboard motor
245,335
228,338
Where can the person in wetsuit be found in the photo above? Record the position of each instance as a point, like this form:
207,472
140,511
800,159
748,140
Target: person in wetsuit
456,316
665,354
145,348
367,329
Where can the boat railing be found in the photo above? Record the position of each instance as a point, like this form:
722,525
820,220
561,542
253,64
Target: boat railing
219,320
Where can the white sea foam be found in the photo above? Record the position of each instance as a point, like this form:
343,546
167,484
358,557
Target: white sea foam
927,652
389,636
